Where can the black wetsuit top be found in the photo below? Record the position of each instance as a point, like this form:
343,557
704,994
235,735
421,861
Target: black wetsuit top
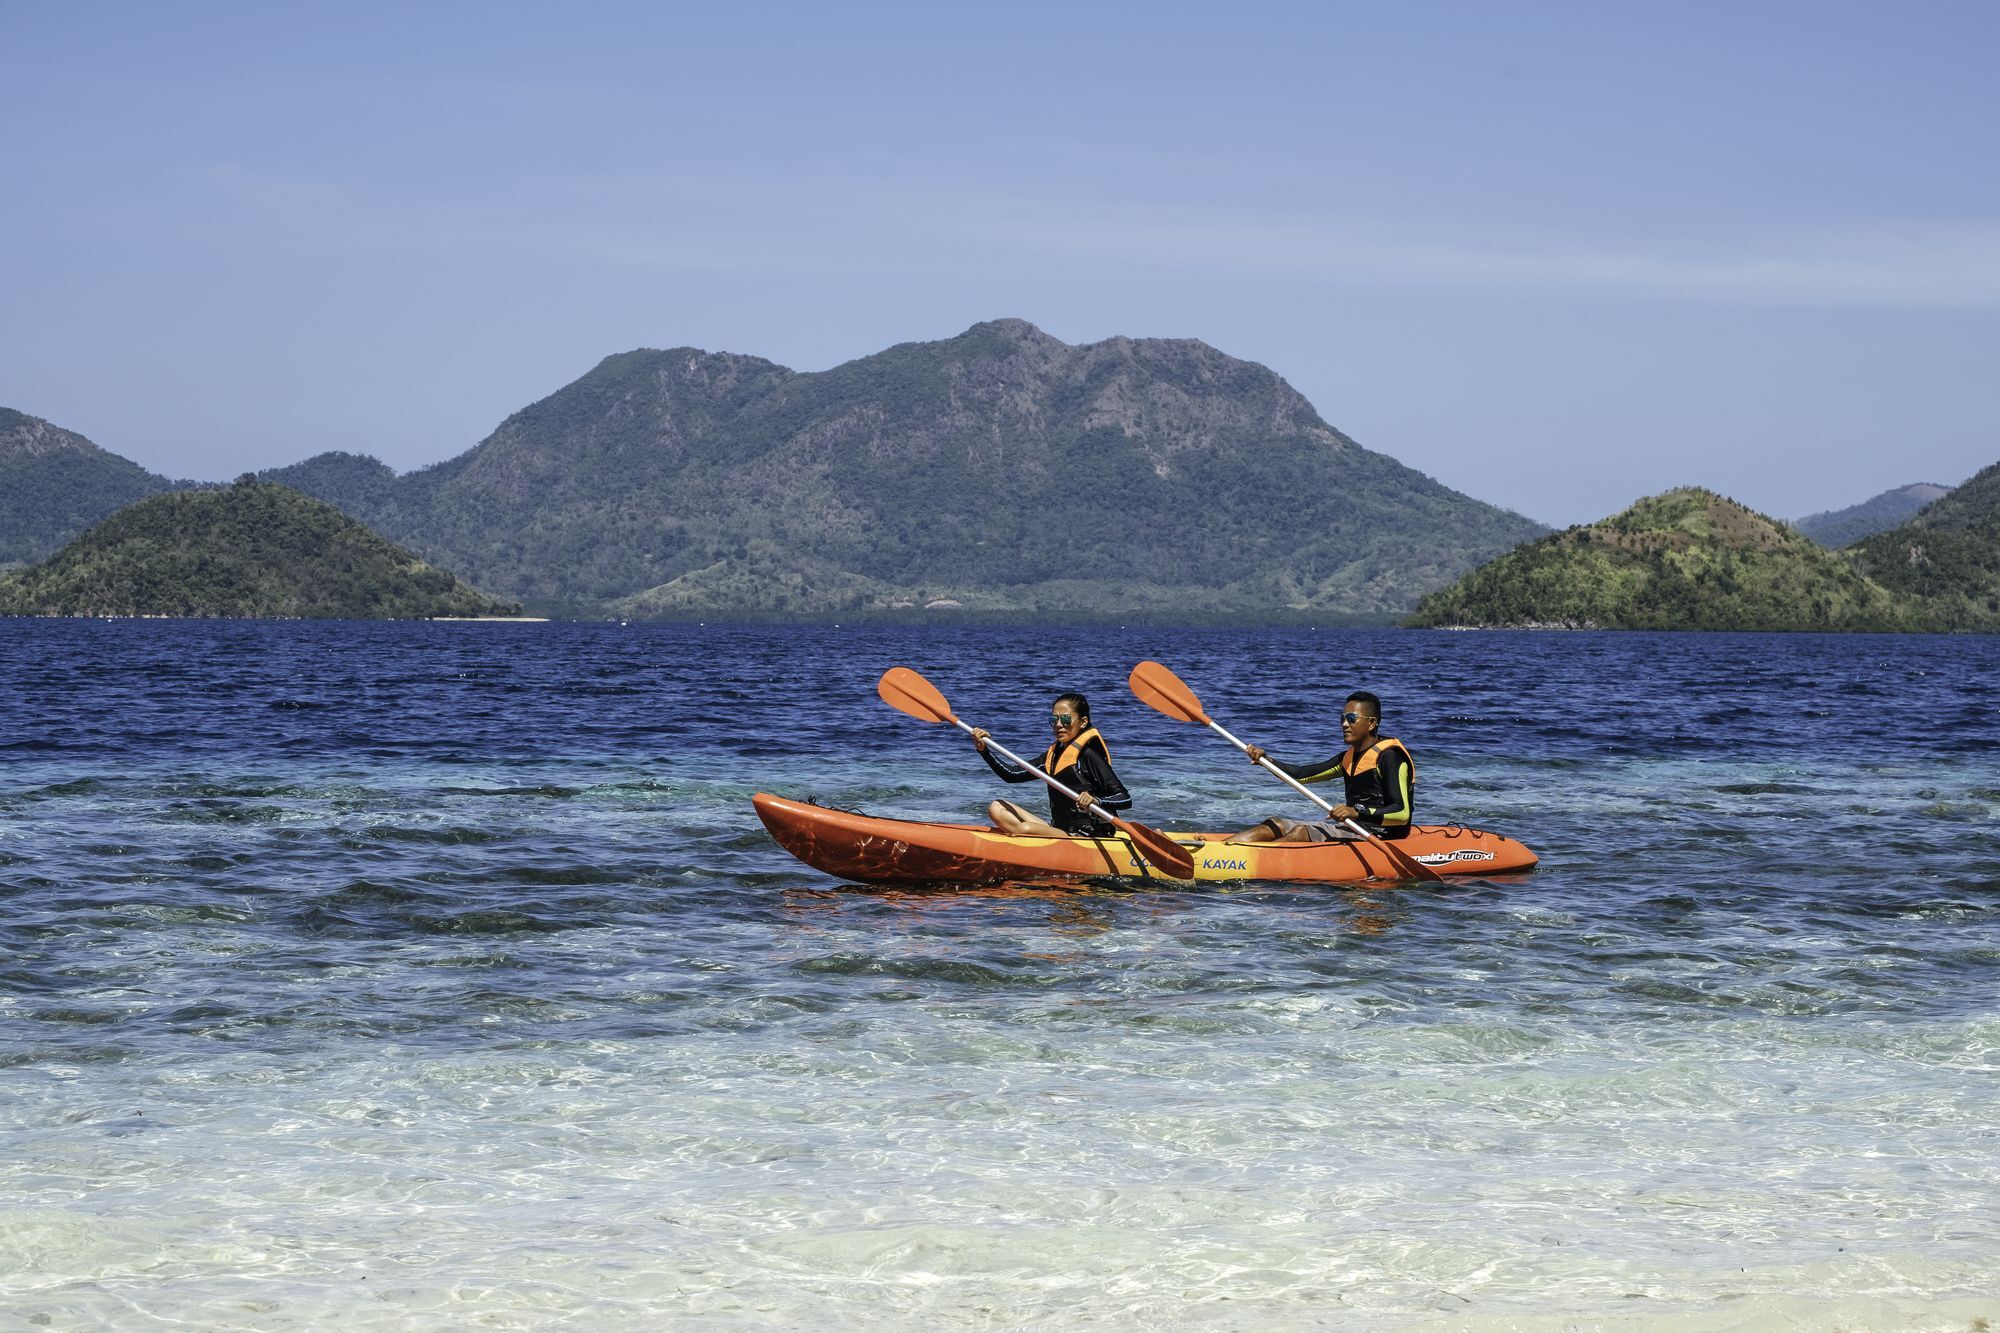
1091,773
1373,792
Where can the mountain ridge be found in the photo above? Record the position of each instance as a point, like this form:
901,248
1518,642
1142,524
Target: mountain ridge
1003,464
1947,558
1837,528
54,483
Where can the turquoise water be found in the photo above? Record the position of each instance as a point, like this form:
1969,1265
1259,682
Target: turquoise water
439,975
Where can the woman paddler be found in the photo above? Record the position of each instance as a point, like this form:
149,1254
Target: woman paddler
1080,761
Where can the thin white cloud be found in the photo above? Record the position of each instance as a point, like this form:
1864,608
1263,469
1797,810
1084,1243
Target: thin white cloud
641,220
1917,266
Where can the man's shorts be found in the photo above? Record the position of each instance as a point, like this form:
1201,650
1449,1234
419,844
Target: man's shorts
1315,830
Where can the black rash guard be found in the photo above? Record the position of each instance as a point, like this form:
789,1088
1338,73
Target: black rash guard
1383,794
1091,773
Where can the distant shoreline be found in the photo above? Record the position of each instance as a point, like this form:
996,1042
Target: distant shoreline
1248,619
1014,620
161,615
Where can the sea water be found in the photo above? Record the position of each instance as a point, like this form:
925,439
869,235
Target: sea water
440,975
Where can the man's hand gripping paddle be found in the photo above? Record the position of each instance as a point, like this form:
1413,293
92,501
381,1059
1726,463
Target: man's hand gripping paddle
908,692
1161,689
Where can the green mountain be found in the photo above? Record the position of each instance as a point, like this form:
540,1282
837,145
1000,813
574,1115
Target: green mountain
1947,558
1843,527
54,483
1688,559
354,483
1002,469
252,549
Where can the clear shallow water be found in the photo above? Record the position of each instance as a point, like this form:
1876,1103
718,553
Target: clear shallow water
387,976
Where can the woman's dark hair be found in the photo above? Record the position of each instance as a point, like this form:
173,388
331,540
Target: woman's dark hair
1078,702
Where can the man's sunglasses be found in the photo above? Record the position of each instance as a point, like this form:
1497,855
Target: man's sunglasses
1350,718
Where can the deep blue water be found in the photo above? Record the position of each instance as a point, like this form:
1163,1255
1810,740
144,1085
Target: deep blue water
450,960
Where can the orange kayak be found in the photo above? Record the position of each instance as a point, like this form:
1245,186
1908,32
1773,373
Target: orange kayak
867,849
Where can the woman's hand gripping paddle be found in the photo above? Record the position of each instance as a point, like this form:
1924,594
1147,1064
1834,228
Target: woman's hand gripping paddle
1161,689
907,692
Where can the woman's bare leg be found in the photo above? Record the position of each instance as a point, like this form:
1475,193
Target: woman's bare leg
1012,819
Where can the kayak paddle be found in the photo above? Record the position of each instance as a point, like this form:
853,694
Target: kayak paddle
908,692
1161,689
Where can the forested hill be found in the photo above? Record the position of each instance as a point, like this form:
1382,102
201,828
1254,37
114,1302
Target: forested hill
252,549
1843,527
55,483
1687,559
1001,469
1947,558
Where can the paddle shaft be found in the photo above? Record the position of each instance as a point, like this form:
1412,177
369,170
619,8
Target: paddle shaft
1006,753
907,691
1415,868
1266,764
1165,853
1159,688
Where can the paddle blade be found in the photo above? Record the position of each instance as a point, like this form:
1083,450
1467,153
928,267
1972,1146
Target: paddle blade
1158,687
907,692
1157,847
1410,866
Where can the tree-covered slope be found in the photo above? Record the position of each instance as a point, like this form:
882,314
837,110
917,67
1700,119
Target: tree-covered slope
361,487
1843,527
1947,558
252,549
1003,467
55,483
1687,559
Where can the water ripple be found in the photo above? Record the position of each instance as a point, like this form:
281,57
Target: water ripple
400,953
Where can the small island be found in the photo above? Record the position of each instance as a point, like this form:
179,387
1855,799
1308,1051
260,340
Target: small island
254,549
1688,559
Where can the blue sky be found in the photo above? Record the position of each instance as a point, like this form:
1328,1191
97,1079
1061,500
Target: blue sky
1557,256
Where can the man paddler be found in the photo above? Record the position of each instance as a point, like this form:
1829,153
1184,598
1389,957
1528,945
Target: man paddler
1377,771
1079,760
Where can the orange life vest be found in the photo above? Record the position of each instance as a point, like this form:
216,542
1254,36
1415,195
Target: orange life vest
1372,758
1053,764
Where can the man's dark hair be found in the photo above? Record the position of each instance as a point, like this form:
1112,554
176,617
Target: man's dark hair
1078,702
1369,701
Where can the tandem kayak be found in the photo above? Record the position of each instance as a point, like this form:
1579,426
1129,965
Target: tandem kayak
869,849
